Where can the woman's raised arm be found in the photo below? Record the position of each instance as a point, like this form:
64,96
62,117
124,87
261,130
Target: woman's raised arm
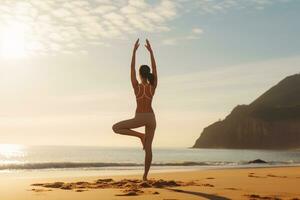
134,81
153,63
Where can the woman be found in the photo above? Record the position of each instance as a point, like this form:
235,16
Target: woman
144,115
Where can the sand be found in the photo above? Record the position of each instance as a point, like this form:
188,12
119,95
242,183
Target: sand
219,184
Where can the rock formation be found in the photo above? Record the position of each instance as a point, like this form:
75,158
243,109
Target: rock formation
272,121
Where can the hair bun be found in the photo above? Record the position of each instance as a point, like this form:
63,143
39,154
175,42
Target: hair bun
145,72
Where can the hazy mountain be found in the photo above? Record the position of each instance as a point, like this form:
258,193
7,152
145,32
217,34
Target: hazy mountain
272,121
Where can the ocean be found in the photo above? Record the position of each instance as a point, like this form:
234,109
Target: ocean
124,160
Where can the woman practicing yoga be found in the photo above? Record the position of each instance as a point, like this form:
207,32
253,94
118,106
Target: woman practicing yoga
144,115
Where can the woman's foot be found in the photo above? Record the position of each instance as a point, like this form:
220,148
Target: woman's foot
145,178
143,141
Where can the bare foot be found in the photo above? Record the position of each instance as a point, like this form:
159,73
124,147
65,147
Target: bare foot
145,178
143,141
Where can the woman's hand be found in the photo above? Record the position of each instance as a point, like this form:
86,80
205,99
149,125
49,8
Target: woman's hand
148,46
136,45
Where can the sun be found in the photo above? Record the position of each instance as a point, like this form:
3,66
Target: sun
10,150
13,41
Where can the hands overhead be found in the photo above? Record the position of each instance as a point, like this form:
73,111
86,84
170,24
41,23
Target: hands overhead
136,45
147,45
153,63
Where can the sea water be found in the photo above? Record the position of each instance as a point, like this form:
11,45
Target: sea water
122,160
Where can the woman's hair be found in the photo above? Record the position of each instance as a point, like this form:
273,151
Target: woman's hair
145,73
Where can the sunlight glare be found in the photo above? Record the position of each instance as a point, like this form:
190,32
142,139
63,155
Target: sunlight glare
13,41
10,150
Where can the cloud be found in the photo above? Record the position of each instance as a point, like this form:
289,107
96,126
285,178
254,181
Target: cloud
197,30
61,13
52,23
194,34
66,26
207,7
223,6
170,41
102,9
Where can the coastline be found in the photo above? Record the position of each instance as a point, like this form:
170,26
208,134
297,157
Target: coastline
231,183
125,171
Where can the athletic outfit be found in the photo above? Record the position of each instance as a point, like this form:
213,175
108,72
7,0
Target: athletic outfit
144,92
141,118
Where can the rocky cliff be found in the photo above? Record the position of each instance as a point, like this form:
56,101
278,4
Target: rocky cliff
272,121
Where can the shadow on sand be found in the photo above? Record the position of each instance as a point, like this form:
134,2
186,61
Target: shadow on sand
200,194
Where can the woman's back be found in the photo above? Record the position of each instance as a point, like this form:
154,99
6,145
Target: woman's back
144,97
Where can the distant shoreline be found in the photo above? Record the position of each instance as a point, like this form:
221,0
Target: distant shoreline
82,172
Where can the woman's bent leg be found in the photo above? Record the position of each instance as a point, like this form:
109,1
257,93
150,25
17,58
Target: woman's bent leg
124,128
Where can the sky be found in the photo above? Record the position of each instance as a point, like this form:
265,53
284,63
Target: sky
65,65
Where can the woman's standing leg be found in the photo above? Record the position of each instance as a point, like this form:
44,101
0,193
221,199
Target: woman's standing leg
149,134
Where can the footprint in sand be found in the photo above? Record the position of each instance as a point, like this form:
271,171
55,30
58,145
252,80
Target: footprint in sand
254,176
275,176
207,185
231,189
128,194
79,190
257,197
40,190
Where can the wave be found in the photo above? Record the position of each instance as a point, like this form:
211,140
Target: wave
59,165
66,165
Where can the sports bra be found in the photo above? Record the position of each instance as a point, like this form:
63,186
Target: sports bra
144,92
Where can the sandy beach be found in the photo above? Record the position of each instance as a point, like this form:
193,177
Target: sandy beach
249,183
